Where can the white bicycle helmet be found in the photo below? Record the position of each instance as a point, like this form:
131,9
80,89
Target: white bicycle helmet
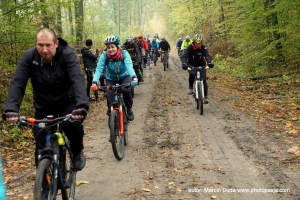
112,39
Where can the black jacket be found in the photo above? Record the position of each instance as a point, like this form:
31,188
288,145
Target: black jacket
133,51
53,84
89,59
196,57
164,45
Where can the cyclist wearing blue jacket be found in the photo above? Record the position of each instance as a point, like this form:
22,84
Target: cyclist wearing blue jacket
155,45
119,69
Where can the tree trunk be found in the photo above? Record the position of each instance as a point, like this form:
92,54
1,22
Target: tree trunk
79,21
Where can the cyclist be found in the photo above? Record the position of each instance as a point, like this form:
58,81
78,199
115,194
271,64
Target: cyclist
119,69
155,45
141,40
143,53
165,46
187,41
178,45
197,55
89,62
134,53
58,89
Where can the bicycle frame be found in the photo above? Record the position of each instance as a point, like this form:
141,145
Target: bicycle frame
118,105
118,102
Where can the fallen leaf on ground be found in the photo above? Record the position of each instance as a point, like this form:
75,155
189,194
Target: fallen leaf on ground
146,189
81,182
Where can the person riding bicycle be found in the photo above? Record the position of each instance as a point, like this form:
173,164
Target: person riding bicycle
186,42
178,44
143,53
197,55
58,89
141,40
90,63
165,46
155,45
119,69
134,53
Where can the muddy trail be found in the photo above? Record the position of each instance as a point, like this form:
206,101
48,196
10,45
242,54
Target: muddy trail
176,153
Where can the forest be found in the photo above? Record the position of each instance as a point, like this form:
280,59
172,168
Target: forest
246,38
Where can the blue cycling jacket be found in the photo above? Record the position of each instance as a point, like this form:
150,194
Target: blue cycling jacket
115,71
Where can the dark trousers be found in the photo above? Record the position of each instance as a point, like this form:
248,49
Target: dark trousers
89,79
73,130
192,74
127,94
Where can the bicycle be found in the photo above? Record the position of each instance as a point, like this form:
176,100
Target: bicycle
198,87
92,71
118,123
55,162
164,59
148,60
153,55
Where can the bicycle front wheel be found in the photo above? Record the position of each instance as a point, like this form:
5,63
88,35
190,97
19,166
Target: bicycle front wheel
132,92
44,186
68,175
154,59
96,95
200,97
165,64
117,141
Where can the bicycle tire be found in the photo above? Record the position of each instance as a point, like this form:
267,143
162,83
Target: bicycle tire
68,191
164,63
132,92
154,59
96,95
117,141
200,97
126,124
196,96
44,187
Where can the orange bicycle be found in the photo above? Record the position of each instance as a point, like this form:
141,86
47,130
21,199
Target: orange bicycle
118,123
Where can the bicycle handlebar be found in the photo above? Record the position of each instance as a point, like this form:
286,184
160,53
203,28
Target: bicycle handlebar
189,67
43,122
114,87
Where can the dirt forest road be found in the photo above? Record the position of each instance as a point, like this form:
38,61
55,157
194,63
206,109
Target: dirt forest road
174,153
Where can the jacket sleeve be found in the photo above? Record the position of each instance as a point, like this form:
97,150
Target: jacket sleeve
18,83
100,67
206,55
90,55
128,64
76,77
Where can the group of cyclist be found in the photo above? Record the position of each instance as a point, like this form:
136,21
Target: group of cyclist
59,87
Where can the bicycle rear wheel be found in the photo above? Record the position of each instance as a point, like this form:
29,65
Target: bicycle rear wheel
200,97
68,175
117,141
44,186
96,95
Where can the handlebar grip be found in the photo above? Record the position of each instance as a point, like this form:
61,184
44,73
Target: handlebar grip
133,84
31,120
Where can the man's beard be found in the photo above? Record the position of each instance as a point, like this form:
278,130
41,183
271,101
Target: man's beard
47,58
